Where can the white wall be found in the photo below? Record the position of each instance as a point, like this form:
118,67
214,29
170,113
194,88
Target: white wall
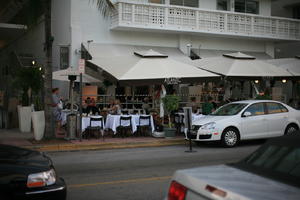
208,4
61,31
61,28
88,24
265,7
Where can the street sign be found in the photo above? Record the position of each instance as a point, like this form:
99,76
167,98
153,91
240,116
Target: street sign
81,66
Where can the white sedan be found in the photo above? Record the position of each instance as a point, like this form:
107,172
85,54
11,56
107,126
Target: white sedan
246,120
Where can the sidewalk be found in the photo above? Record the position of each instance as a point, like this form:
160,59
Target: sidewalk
16,138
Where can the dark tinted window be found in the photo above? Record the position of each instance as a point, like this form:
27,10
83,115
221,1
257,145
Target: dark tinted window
190,3
223,5
256,109
276,108
157,1
246,6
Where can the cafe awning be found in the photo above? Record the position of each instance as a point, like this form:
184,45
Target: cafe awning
240,65
147,65
292,65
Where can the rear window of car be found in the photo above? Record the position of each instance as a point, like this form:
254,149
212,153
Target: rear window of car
279,159
276,108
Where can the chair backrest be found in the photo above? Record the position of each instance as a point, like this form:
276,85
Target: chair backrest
135,111
125,121
97,121
144,120
125,112
179,119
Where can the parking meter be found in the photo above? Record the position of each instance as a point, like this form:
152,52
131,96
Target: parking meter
188,125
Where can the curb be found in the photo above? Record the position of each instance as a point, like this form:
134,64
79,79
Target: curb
107,146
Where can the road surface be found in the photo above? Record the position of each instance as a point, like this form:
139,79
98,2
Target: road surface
141,173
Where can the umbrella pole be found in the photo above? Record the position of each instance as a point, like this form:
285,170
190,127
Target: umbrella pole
72,94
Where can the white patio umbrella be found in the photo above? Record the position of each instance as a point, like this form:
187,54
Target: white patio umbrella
149,65
290,64
240,65
62,75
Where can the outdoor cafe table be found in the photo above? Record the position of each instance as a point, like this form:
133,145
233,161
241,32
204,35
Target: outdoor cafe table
113,121
86,120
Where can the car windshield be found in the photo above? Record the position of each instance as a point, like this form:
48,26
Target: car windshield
277,159
229,109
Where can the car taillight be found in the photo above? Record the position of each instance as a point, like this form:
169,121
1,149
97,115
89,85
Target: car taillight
177,191
215,191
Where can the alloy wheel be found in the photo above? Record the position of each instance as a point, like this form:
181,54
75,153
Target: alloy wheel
230,138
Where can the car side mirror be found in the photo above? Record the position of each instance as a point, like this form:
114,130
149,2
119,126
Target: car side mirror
247,114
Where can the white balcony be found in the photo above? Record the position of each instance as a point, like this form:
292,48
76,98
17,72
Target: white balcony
158,17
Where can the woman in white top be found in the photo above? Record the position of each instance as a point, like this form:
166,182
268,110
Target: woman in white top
116,109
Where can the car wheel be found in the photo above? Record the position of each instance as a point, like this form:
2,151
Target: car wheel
290,129
230,137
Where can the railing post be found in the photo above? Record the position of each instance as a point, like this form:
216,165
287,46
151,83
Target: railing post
133,14
120,12
225,22
197,20
288,29
277,27
166,16
252,25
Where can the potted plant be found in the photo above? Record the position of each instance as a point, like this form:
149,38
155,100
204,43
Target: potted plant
29,81
38,119
171,103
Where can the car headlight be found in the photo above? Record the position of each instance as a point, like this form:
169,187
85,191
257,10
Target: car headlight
209,126
41,179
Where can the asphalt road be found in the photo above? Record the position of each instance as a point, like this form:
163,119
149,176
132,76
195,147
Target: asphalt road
141,173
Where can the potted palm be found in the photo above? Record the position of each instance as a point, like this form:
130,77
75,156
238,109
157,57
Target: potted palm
171,104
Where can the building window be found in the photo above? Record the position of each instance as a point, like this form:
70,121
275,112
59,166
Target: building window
296,12
64,57
246,6
223,5
189,3
157,1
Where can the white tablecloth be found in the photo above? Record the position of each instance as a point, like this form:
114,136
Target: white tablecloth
195,117
86,122
113,121
64,114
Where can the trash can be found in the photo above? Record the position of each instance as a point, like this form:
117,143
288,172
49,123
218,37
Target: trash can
71,126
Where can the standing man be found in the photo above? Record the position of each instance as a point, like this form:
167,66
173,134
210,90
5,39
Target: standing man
57,107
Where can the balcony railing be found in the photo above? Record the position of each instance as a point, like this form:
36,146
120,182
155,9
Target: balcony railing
182,19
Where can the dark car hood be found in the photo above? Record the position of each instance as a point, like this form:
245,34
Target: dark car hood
15,158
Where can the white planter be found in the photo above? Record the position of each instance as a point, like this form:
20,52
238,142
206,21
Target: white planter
24,118
38,121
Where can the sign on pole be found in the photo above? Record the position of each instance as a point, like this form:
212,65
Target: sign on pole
81,66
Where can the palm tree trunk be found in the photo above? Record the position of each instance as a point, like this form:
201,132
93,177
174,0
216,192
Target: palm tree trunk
49,122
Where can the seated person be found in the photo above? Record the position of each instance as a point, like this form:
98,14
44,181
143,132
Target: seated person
91,108
116,109
146,107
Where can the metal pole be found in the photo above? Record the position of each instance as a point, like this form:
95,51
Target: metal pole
189,131
72,96
80,108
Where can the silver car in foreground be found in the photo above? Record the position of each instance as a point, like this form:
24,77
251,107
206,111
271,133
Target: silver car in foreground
272,172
